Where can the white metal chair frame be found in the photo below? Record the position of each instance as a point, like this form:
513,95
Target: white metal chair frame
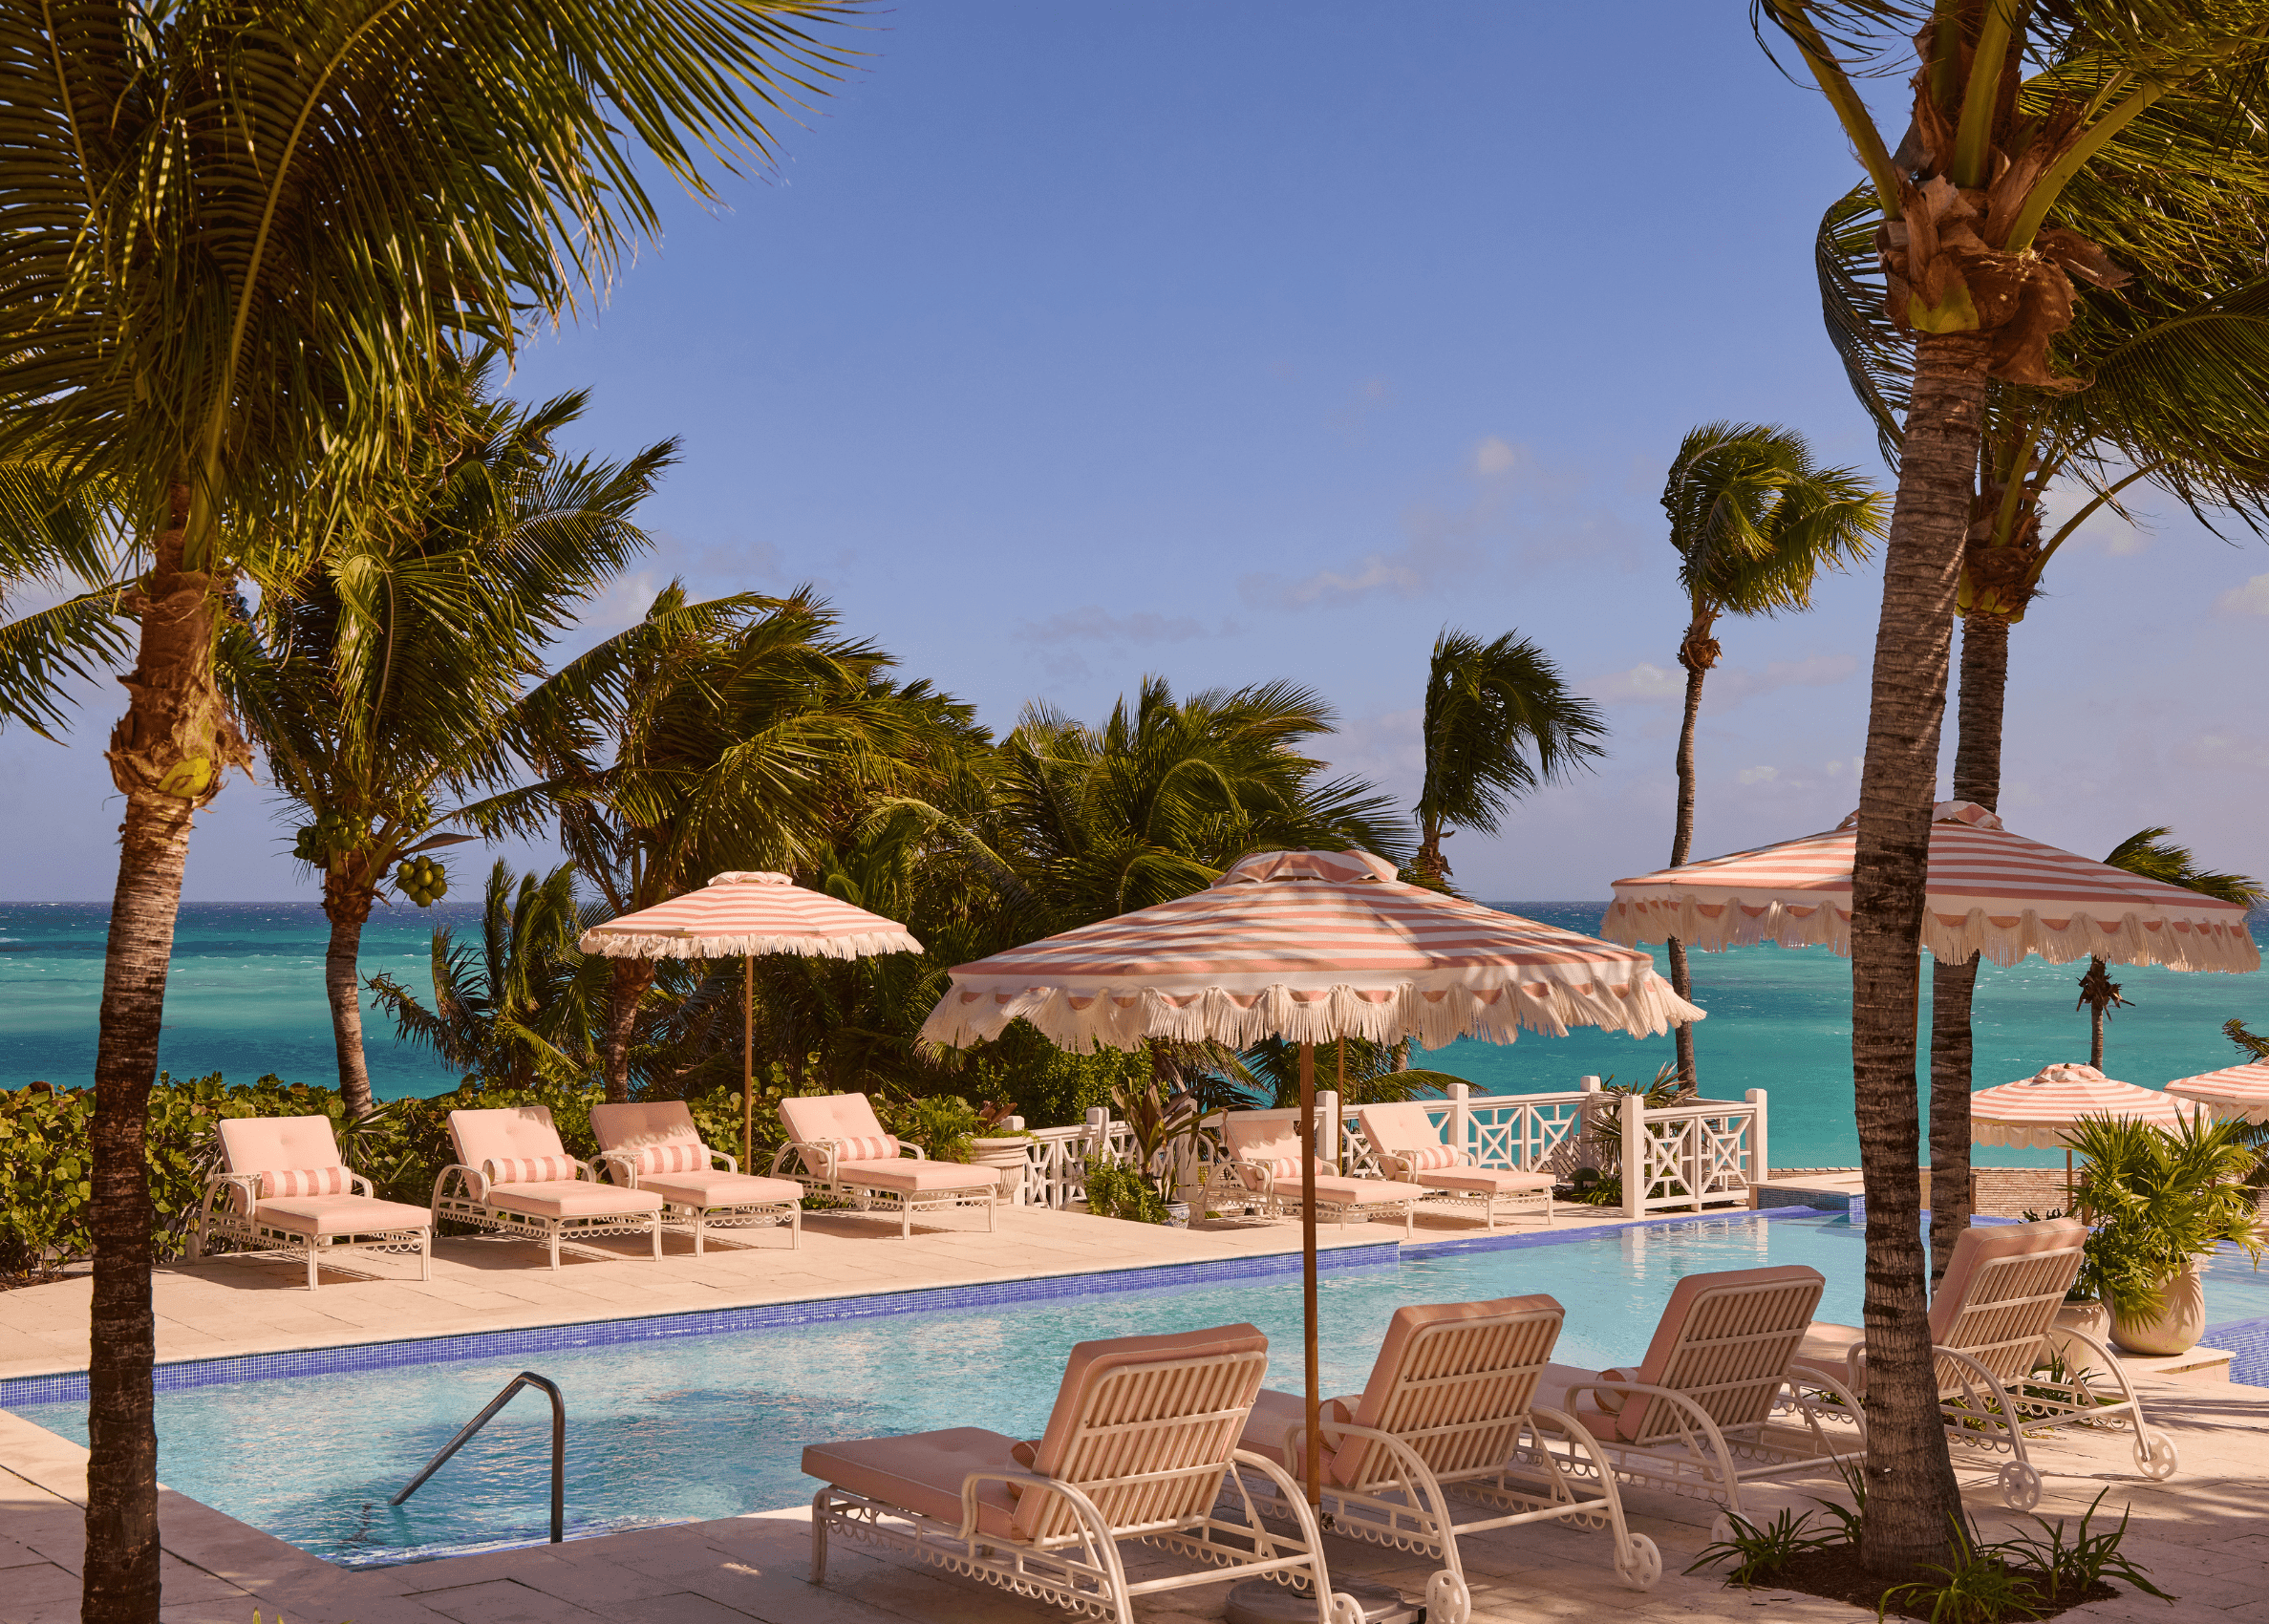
1073,1561
838,1187
622,1168
1512,1202
244,1228
461,1196
1995,1398
1223,1188
1406,1505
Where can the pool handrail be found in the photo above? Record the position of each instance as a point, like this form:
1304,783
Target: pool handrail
559,1445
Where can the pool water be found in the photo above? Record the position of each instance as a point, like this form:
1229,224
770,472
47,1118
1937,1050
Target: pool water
713,1425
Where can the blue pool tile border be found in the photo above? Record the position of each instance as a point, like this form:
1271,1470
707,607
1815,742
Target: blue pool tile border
2247,1342
1508,1240
67,1388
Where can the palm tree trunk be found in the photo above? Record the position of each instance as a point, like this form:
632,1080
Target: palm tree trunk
347,907
1428,862
1682,839
1978,777
627,982
167,754
2095,1022
1911,1489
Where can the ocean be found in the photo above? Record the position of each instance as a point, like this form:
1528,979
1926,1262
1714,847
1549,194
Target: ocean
246,998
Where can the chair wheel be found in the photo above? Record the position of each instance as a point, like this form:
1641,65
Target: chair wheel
1645,1567
2021,1487
1447,1599
1721,1529
2160,1460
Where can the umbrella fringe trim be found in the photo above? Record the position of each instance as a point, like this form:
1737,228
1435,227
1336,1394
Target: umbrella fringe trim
858,945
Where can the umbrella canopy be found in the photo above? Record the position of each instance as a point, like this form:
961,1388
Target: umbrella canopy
749,914
2037,1113
2241,1092
1991,892
1308,946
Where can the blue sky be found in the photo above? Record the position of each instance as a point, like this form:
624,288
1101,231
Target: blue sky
1070,343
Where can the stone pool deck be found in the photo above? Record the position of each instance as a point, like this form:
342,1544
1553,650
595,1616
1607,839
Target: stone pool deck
2204,1535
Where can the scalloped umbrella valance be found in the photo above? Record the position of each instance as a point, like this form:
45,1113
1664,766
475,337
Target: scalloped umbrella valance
2037,1112
1990,893
2240,1092
1309,946
749,914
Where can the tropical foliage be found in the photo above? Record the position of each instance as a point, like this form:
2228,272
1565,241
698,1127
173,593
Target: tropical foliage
2157,1198
2156,856
1499,723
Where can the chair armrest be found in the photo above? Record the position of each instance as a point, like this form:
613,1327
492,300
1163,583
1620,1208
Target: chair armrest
913,1150
624,1162
731,1163
248,1183
585,1170
361,1185
476,1180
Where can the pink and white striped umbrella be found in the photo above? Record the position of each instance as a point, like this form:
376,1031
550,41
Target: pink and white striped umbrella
1309,946
1991,892
2235,1092
2037,1113
749,914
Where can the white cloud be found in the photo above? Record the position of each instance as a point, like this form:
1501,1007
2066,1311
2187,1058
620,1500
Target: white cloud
1731,686
1494,455
1643,684
2225,752
2251,598
1757,775
1403,574
1092,622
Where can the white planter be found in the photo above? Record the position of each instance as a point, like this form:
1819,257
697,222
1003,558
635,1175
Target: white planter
1010,1156
2177,1325
2090,1320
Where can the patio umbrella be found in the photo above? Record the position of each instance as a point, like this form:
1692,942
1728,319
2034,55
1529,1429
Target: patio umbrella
2240,1092
749,914
2040,1112
1308,946
1990,893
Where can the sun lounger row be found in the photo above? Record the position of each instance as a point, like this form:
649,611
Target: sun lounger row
1259,1171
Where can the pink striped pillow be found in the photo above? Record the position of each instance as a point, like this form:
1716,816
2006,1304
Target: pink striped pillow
1428,1157
304,1181
529,1169
676,1156
869,1150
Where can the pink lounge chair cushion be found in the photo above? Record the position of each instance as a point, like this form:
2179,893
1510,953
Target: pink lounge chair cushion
502,1133
922,1472
1268,1429
1270,1140
720,1188
1485,1181
529,1169
1691,1298
340,1215
1404,1128
572,1198
1337,1191
847,1119
1990,1243
633,1127
905,1177
1827,1348
1284,1169
1091,1361
251,1144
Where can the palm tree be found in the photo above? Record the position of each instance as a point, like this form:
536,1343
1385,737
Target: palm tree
678,751
1500,722
2154,855
1753,520
1981,279
2181,398
237,234
393,663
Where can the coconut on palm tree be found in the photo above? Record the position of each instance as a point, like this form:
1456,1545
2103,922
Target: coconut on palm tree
1500,721
381,682
1980,258
2154,855
1753,519
237,236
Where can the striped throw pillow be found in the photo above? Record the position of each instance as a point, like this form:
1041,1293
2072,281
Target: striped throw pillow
1428,1157
880,1148
530,1169
678,1156
304,1181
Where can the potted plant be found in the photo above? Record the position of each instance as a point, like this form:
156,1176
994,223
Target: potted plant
1158,1124
1002,1141
2158,1204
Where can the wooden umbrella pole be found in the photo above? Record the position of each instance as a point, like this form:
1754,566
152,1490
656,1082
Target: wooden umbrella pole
748,1058
1308,1304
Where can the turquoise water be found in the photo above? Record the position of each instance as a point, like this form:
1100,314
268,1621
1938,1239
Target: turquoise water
246,998
714,1426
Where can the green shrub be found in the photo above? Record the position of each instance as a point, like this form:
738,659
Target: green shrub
1119,1191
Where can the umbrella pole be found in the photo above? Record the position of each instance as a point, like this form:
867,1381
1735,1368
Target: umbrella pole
1308,1313
748,1058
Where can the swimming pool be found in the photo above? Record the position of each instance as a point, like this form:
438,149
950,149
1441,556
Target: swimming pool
688,1426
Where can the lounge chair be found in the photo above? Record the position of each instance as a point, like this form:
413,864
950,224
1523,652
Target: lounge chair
1999,1352
1449,1402
655,1147
512,1175
1404,1139
1260,1168
846,1157
1141,1445
1715,1404
283,1188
